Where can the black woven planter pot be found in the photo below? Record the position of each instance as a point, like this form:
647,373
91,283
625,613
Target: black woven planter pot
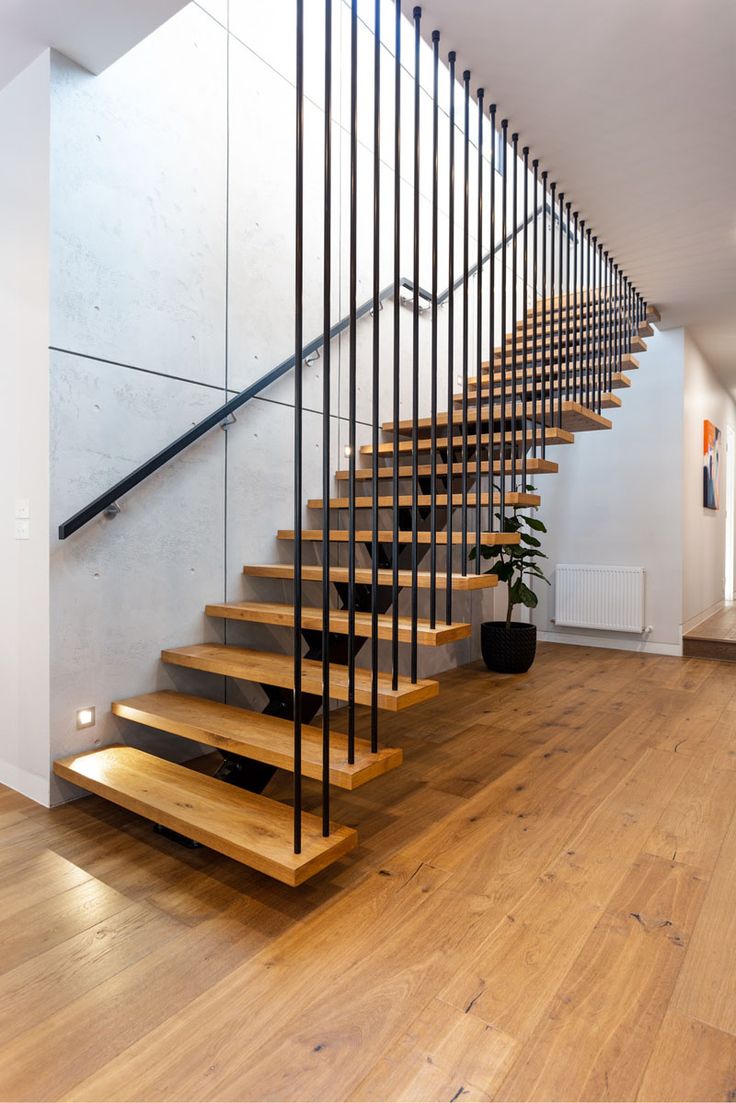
508,648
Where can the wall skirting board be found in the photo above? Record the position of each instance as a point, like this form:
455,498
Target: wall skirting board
645,646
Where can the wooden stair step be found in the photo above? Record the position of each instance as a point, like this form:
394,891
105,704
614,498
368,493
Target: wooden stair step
363,575
553,304
644,329
256,735
274,669
266,612
386,501
578,340
553,435
405,536
619,381
609,401
248,827
575,417
551,371
534,466
551,349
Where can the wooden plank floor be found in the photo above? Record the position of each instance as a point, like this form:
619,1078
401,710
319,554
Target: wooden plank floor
714,638
542,906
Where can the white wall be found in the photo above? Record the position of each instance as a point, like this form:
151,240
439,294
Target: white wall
704,530
617,500
24,585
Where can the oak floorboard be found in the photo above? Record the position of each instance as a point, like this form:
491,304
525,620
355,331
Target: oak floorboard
529,815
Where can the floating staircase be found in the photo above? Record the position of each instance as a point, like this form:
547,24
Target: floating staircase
248,826
437,486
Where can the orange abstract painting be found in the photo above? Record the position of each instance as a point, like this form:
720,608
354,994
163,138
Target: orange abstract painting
711,465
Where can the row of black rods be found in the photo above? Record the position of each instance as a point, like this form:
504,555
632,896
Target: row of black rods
580,316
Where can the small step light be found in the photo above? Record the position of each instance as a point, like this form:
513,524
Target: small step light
85,718
347,450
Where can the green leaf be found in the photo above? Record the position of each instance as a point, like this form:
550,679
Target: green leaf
520,594
529,488
503,571
527,539
535,524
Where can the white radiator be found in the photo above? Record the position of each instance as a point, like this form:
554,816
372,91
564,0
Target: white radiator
608,598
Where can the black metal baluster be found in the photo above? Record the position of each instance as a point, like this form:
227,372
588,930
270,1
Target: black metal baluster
576,324
545,307
582,297
524,331
560,310
589,325
326,413
465,340
449,558
433,430
514,306
492,327
396,453
568,334
535,278
375,367
352,371
415,364
599,329
504,235
554,395
479,345
298,404
606,325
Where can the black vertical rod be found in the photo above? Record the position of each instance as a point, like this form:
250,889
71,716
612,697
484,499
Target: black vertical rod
326,413
433,368
415,364
396,456
479,345
504,235
594,322
514,307
465,337
535,294
375,366
568,332
298,403
576,322
620,350
548,357
606,325
584,396
560,313
599,325
545,308
524,332
589,323
492,324
352,370
449,558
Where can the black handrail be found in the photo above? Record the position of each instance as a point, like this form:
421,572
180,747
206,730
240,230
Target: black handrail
217,417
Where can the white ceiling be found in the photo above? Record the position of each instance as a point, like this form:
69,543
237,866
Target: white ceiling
631,105
94,33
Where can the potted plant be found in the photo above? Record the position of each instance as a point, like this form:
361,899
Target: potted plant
509,646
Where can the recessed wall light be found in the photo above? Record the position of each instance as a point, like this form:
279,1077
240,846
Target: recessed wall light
86,717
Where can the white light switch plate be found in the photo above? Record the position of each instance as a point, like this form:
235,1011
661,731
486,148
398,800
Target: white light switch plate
22,509
22,530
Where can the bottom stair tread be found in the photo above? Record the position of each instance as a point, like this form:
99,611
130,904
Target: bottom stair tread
248,827
255,735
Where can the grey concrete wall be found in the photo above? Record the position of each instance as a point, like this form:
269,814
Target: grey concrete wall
172,286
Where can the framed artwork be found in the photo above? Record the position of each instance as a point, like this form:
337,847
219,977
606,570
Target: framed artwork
711,466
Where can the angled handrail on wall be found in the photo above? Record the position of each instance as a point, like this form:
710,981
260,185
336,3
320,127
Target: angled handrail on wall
104,501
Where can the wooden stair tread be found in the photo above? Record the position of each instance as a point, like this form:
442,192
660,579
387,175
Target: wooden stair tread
552,349
405,536
248,827
363,575
644,329
268,612
553,435
534,466
531,501
628,361
575,417
619,381
274,669
258,736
